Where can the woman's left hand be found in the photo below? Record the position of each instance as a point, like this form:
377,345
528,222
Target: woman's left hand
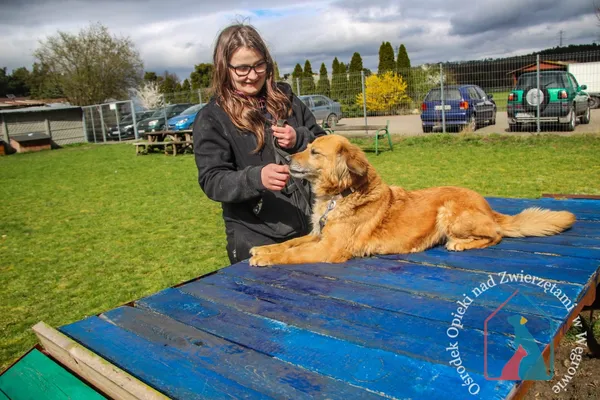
286,136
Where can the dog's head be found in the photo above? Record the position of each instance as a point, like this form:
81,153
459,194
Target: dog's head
331,163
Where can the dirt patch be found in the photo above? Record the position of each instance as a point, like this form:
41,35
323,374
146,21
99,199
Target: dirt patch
581,379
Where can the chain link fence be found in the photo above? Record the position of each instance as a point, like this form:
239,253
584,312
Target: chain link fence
565,86
555,90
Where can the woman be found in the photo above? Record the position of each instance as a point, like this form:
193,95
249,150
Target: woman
238,145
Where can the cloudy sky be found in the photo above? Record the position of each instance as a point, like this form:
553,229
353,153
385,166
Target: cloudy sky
174,35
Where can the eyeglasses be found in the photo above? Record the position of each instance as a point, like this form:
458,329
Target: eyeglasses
244,70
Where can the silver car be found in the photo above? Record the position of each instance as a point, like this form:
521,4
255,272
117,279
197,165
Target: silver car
323,108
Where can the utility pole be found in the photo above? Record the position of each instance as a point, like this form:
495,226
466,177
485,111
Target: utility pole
560,35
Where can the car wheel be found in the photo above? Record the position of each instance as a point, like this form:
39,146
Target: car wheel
427,128
585,118
570,126
514,127
493,121
332,120
594,102
472,125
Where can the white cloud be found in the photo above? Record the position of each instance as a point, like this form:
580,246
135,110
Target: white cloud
177,35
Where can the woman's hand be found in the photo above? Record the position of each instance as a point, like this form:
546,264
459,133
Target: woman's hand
275,176
285,135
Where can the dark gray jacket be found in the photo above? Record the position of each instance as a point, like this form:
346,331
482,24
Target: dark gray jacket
229,172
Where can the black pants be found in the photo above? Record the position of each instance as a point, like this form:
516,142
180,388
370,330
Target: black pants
240,240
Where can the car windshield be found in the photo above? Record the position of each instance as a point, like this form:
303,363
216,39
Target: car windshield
305,100
126,119
449,94
547,80
192,110
159,113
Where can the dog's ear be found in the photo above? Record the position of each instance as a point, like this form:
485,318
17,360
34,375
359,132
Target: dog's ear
351,159
355,160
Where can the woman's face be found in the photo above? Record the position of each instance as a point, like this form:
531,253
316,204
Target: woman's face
252,82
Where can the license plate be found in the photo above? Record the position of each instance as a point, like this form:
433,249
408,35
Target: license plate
524,115
446,107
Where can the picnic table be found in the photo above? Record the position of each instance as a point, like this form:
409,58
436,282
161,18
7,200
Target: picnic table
173,142
428,325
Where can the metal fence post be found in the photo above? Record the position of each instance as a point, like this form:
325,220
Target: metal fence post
134,120
537,119
47,125
102,123
84,125
364,91
93,123
442,98
117,116
298,86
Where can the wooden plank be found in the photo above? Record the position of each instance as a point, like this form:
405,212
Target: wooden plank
571,196
402,334
565,269
584,229
428,279
36,376
165,368
106,377
256,370
548,249
366,314
572,205
434,308
369,368
357,128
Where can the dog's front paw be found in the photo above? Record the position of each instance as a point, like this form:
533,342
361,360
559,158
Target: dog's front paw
455,246
261,260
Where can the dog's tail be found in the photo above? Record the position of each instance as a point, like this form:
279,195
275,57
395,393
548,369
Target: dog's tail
534,222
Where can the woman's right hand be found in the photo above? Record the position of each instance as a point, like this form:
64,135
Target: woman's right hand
274,176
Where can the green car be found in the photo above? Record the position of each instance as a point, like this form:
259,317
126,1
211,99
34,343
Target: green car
560,98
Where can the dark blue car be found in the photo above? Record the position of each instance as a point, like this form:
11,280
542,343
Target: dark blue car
464,106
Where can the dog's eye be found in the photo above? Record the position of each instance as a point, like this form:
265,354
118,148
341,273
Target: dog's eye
313,152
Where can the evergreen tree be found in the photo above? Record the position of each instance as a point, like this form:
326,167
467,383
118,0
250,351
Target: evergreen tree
338,80
323,86
356,64
403,63
308,85
386,58
297,79
276,76
354,75
335,66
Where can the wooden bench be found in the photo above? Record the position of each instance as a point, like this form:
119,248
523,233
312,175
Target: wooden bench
381,131
176,146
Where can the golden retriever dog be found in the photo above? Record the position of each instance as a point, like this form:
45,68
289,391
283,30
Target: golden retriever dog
356,214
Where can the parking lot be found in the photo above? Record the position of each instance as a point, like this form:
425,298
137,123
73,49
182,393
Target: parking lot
410,125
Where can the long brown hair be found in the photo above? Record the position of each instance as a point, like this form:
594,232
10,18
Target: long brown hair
244,111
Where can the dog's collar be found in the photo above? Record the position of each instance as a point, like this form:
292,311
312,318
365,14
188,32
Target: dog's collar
331,205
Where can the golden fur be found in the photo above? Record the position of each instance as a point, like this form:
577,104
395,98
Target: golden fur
373,218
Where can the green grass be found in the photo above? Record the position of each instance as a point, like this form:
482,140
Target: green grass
501,99
87,228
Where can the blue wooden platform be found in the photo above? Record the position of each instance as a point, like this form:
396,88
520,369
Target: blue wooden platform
368,328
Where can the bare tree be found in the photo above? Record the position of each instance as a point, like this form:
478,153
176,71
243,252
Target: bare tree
148,95
92,66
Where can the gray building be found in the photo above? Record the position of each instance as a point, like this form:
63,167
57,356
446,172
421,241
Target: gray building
64,124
